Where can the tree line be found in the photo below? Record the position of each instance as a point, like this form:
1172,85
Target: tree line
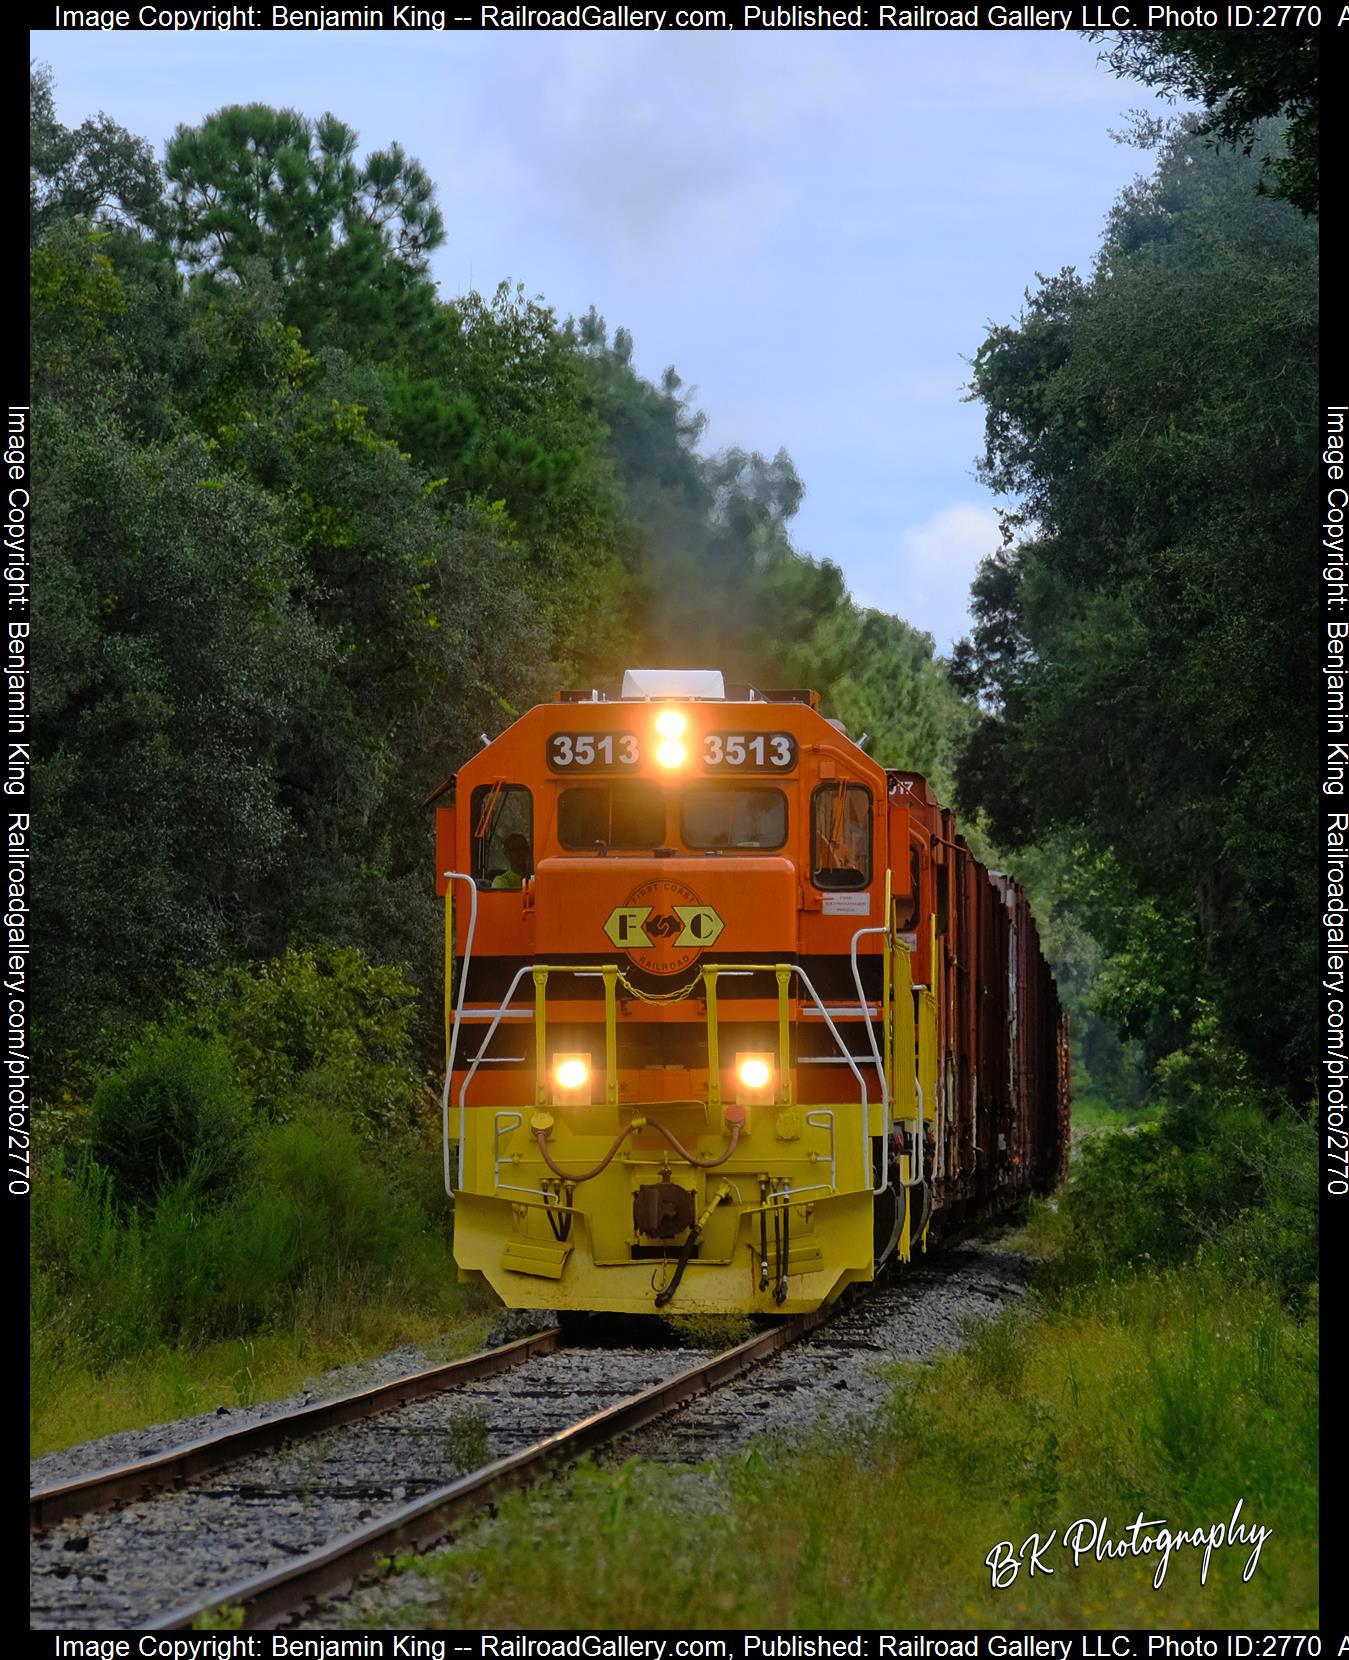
307,527
1142,644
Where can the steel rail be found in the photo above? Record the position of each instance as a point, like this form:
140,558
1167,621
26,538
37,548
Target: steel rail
179,1466
267,1598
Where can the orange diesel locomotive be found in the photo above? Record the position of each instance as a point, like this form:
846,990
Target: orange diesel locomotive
731,1010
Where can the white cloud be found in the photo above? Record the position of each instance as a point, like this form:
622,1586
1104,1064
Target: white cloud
928,579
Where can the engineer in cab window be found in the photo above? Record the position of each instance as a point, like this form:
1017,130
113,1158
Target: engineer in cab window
516,849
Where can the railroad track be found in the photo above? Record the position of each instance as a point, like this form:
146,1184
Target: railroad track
301,1504
176,1468
836,1376
839,1374
287,1512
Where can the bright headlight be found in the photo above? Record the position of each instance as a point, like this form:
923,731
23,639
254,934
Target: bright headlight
571,1073
671,753
754,1073
671,724
756,1079
571,1080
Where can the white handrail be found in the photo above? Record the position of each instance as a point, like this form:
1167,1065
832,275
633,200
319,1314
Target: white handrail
457,876
919,1166
498,1130
856,1072
525,968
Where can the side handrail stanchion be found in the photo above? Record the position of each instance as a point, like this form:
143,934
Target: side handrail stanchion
452,1038
713,1037
784,1039
864,1010
904,989
611,1034
482,1050
920,1150
540,1036
852,1065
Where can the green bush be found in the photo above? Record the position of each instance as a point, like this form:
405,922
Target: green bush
1227,1175
321,1023
173,1112
256,1162
317,1220
90,1290
347,1212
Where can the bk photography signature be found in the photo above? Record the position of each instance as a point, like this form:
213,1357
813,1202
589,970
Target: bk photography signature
1090,1538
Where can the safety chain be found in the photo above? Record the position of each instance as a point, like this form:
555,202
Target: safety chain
657,996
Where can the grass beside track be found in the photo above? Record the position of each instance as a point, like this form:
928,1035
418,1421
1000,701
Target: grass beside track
325,1253
1167,1366
77,1403
1174,1395
239,1194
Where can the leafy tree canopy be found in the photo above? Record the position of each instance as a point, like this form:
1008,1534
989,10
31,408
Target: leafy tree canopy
308,529
347,242
1243,78
98,170
1135,640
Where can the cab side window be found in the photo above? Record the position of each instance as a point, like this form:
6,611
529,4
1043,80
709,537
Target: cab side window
502,819
840,836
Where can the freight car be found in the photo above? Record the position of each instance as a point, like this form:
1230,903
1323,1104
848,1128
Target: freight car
731,1011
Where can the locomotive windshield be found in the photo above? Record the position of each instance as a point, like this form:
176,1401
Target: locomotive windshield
629,814
746,817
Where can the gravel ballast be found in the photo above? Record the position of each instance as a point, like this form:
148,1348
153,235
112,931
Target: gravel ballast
117,1569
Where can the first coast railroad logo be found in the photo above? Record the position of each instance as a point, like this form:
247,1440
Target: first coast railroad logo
663,926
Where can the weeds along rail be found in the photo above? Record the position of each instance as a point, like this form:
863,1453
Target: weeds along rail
177,1468
301,1505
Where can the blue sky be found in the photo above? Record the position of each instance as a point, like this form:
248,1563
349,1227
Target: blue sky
815,229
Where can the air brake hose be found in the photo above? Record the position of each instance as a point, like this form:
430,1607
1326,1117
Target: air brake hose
541,1136
685,1252
690,1244
780,1289
763,1235
705,1164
